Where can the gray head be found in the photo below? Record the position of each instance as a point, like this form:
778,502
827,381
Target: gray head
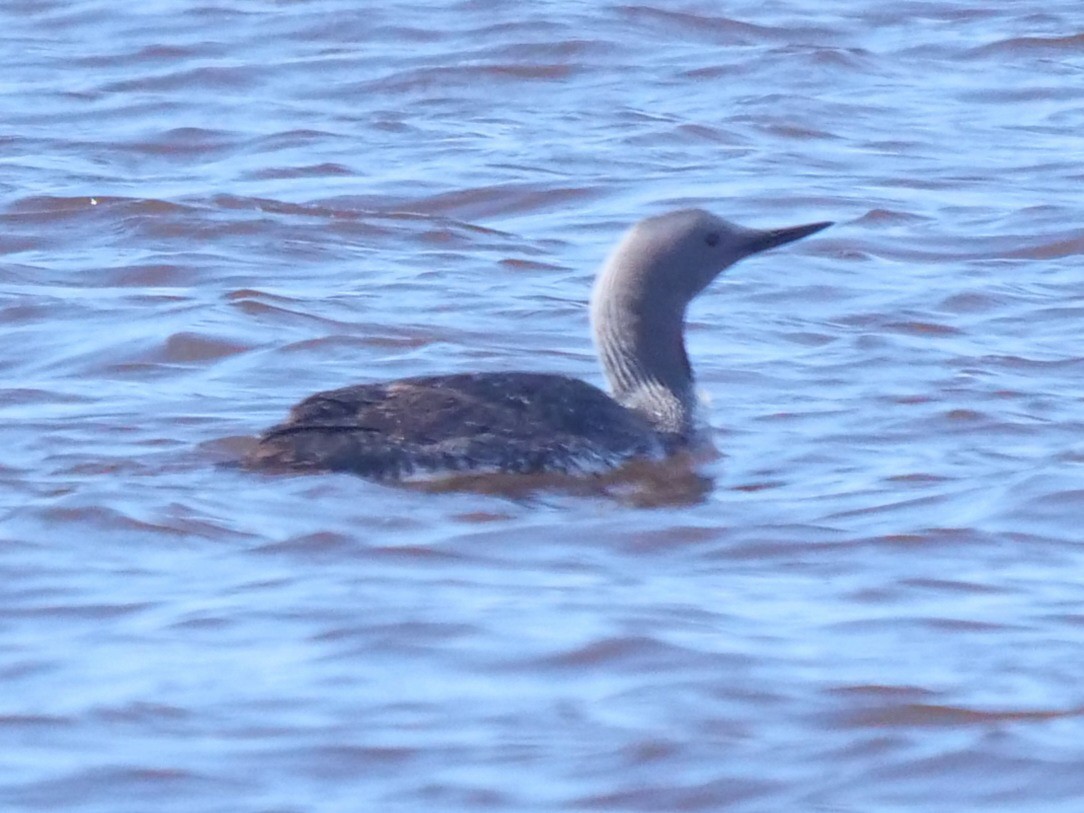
673,257
642,292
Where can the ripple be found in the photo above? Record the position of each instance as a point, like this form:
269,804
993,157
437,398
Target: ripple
718,29
1017,46
605,653
909,715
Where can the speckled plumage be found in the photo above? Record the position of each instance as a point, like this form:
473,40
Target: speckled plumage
501,422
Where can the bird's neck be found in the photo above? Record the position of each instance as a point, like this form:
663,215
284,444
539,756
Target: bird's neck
641,343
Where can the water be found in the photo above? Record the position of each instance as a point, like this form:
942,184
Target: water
872,599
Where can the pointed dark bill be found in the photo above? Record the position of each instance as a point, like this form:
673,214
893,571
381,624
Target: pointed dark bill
763,240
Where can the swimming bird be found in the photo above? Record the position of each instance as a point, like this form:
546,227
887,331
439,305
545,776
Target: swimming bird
532,423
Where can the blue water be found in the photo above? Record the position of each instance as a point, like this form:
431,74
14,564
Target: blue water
869,602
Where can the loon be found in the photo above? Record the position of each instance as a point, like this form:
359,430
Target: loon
534,423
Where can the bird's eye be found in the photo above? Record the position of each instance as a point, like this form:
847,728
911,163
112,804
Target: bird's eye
712,238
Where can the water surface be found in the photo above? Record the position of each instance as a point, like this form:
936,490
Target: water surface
870,601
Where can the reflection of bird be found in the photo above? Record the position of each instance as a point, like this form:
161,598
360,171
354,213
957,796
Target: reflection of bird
530,422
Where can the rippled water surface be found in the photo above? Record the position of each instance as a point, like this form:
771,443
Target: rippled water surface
871,601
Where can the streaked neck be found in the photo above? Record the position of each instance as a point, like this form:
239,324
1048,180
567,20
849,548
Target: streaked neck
641,343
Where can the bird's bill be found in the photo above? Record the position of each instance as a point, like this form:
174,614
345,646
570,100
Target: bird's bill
770,238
